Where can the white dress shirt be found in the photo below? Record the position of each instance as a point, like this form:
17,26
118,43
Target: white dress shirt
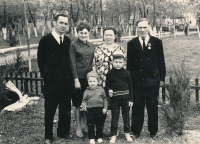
146,40
57,36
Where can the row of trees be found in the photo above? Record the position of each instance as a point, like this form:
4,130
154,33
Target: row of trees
118,13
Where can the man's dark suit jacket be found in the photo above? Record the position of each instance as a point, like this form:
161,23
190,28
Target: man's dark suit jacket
53,59
147,67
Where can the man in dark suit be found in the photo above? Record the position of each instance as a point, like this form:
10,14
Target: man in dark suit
146,64
53,62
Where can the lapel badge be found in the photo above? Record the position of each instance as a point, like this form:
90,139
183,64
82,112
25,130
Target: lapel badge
149,46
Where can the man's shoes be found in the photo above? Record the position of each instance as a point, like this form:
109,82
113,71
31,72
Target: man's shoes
48,141
136,135
153,136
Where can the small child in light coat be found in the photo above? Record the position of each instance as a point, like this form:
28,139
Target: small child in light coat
96,104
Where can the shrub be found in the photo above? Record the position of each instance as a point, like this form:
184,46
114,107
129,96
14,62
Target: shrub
13,40
18,60
179,98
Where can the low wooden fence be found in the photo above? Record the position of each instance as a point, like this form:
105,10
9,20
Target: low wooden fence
28,83
32,84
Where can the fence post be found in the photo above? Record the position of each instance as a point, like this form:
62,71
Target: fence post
26,84
197,91
36,83
21,76
31,82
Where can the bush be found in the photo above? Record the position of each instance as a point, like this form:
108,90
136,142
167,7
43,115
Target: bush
18,60
178,95
13,40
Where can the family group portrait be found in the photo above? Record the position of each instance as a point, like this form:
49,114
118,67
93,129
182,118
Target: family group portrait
99,71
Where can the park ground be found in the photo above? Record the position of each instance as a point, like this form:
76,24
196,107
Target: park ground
27,126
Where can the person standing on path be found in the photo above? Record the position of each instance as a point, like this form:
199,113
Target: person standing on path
81,55
146,64
53,63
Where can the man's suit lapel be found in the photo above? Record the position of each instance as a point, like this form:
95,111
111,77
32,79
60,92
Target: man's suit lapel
138,45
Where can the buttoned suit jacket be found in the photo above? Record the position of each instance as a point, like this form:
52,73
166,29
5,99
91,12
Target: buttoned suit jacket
147,68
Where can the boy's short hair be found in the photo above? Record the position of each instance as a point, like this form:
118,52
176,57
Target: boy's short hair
93,74
118,56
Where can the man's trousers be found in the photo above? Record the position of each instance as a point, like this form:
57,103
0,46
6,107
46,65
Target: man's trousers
57,94
142,96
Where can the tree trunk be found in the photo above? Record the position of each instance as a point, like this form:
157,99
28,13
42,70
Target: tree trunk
101,17
4,31
79,6
129,31
43,30
154,19
28,41
198,31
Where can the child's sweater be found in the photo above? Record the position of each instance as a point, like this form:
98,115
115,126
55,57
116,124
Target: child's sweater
95,97
119,80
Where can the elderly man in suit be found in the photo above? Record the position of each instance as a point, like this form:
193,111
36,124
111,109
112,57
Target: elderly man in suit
146,64
53,62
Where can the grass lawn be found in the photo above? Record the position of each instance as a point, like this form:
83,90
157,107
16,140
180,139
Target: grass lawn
27,126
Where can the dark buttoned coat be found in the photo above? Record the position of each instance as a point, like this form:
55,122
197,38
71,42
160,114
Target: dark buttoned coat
147,68
53,58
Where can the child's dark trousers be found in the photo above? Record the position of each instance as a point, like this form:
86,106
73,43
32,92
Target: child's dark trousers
95,117
115,105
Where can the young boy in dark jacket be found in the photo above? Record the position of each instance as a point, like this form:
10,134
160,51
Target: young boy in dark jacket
96,104
119,87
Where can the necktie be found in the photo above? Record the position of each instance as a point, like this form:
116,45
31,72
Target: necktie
60,40
143,44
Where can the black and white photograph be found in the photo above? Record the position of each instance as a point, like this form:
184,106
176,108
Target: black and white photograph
99,71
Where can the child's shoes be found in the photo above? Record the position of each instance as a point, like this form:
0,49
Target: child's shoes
92,141
100,140
113,139
128,137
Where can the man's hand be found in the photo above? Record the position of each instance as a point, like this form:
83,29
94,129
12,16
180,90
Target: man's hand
130,104
77,84
110,93
104,111
161,83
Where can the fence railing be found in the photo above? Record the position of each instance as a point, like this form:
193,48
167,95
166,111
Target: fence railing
28,83
32,84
